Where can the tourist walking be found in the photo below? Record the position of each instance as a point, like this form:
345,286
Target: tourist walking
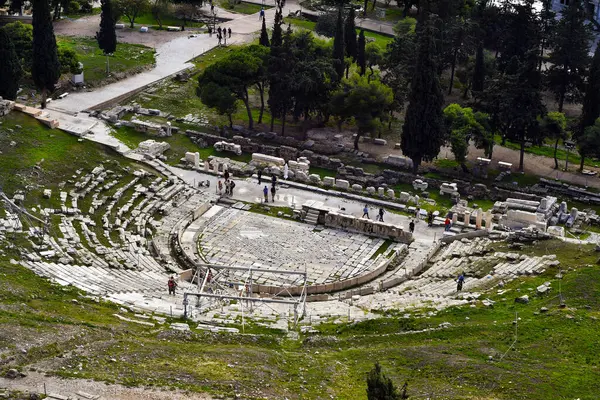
459,282
411,226
259,176
209,31
366,211
226,188
231,186
261,14
273,190
219,30
430,219
172,285
417,213
381,212
226,175
220,186
266,194
219,37
447,224
229,31
273,180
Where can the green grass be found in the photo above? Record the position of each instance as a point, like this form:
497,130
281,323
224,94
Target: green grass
58,155
381,40
147,19
128,58
243,7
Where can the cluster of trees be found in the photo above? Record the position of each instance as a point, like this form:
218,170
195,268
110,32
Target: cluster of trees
505,56
185,10
304,78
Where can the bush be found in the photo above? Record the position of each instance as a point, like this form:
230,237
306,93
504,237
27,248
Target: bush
326,24
86,7
73,7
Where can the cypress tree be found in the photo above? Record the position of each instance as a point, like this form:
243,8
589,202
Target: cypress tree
46,68
264,36
570,47
277,36
360,57
107,37
423,130
338,46
10,69
350,35
591,100
479,70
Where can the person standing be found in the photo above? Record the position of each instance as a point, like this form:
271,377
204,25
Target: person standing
417,213
259,176
381,212
430,219
172,285
266,194
411,226
220,187
459,282
231,186
226,175
365,211
261,14
229,31
219,31
273,180
273,190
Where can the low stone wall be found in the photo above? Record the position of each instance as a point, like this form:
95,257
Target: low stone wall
367,226
416,270
327,287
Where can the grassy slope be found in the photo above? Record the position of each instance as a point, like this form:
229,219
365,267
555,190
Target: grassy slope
556,355
130,58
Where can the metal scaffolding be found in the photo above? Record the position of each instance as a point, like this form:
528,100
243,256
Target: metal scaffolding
222,283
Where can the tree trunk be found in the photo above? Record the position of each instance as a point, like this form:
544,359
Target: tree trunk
230,121
365,8
452,71
262,102
503,142
339,124
374,4
466,92
44,97
522,155
107,65
131,22
407,5
272,122
356,140
347,70
416,163
555,150
391,119
247,104
283,125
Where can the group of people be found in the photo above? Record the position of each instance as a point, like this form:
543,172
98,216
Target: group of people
266,189
222,34
379,215
229,185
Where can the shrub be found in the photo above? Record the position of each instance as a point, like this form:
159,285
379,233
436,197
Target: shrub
326,24
73,7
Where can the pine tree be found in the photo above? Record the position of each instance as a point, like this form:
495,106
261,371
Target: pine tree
46,68
591,101
264,36
10,69
361,59
479,71
350,35
338,46
423,130
569,52
380,387
277,36
107,37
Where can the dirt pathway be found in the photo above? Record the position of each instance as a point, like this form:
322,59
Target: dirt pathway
34,382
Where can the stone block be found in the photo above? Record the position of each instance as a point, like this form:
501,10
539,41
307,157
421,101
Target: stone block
390,193
370,190
193,158
342,184
397,146
381,191
404,197
259,158
380,142
314,178
328,181
357,188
